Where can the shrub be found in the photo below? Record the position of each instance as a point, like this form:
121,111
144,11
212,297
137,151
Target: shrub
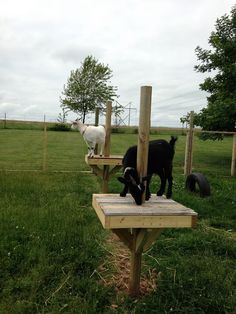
60,127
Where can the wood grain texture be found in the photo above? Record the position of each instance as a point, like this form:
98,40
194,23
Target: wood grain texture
118,212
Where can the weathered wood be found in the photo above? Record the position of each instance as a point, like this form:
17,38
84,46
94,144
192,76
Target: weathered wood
141,239
96,170
135,269
108,129
96,124
143,134
146,221
112,160
125,236
105,178
153,234
104,162
189,148
117,212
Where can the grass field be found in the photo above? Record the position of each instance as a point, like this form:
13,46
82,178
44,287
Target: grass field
52,245
25,150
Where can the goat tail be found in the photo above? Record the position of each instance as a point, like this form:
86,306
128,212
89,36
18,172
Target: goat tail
172,141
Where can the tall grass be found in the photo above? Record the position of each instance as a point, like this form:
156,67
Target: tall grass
52,244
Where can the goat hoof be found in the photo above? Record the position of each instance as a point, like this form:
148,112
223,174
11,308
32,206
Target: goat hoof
123,194
159,194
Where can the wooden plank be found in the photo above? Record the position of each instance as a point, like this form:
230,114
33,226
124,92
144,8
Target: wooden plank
143,132
107,145
112,160
141,239
135,268
153,234
148,222
99,213
97,170
117,212
125,236
116,206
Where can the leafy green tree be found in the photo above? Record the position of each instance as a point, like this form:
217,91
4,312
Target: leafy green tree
88,88
220,113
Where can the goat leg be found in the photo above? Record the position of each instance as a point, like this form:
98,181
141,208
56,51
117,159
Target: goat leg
170,184
148,193
124,191
161,191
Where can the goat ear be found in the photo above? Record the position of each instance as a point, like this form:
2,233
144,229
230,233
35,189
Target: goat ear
122,180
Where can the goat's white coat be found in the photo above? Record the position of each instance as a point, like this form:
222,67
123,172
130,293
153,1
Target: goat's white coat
92,135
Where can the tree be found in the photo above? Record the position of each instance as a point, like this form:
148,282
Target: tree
88,88
220,113
186,119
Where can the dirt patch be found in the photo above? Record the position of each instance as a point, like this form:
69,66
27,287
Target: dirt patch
116,269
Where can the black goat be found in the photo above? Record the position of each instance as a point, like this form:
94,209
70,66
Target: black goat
160,158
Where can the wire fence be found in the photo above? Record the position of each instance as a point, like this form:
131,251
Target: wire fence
44,150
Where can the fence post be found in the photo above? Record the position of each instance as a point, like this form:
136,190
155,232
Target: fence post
189,148
107,147
45,145
233,156
96,124
5,121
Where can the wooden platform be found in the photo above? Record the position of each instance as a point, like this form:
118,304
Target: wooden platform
121,212
112,160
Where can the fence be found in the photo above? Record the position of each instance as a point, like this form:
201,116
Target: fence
43,150
189,148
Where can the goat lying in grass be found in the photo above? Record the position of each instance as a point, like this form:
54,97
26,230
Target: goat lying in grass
92,135
160,159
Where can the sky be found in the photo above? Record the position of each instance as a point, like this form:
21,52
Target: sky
149,42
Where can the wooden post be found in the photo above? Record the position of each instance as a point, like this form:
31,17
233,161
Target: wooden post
45,145
107,147
96,124
144,128
233,156
142,160
189,148
108,129
135,267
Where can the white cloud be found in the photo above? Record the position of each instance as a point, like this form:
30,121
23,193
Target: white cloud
144,42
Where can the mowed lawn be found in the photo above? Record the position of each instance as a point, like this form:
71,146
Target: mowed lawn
52,245
62,151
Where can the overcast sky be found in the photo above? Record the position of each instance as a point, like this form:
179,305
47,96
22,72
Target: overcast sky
149,42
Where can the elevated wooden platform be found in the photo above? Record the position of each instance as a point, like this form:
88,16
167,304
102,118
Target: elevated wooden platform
121,212
104,167
112,160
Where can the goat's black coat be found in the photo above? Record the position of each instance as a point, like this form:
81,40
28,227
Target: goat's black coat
160,157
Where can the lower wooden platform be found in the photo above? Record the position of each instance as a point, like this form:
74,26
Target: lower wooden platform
122,212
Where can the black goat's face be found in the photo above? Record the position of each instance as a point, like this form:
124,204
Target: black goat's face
135,189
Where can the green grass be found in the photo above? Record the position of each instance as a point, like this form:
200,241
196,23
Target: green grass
51,241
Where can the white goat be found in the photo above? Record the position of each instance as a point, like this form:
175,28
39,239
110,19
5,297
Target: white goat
92,135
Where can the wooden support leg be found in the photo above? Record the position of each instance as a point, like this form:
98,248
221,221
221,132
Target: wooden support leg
135,273
105,179
136,263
